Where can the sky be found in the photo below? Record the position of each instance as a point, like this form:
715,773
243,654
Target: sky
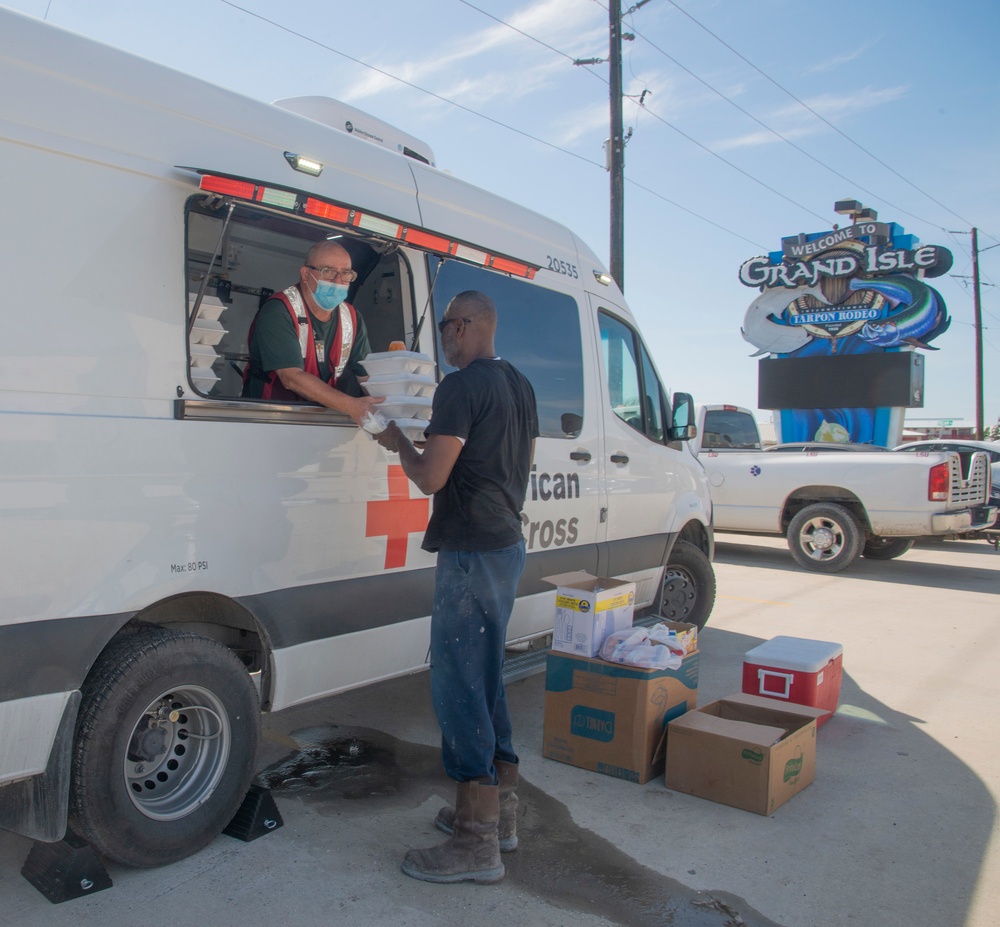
756,118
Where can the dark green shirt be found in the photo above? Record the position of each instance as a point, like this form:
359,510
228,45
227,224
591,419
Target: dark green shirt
275,346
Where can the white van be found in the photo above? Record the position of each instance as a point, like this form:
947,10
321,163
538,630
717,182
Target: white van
177,558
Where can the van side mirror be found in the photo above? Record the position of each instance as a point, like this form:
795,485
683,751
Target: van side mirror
682,422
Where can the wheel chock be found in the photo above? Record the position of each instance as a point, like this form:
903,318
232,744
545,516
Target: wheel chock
65,870
258,815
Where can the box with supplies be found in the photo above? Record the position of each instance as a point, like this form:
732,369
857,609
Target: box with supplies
588,609
610,718
746,751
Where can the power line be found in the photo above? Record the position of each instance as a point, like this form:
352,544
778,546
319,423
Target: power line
402,80
473,112
634,183
656,116
736,167
823,119
693,140
776,133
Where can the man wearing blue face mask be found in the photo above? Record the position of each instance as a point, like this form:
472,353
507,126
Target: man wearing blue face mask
307,342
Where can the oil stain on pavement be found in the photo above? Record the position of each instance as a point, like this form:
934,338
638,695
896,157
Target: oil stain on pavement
557,859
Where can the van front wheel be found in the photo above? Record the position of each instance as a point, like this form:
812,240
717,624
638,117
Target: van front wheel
688,590
165,746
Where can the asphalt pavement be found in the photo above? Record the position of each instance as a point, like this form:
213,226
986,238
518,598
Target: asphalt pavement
899,828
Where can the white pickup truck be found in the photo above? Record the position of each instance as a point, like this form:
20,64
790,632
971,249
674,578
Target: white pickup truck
834,507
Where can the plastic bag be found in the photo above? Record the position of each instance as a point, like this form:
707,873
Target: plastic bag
653,648
374,422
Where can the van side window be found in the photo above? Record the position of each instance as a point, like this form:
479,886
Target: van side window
538,332
730,428
636,395
257,253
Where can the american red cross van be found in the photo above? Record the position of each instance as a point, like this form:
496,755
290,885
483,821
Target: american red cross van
177,558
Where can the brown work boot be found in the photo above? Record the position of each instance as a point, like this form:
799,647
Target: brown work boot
507,773
472,851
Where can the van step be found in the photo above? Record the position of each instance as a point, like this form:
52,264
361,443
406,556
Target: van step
519,664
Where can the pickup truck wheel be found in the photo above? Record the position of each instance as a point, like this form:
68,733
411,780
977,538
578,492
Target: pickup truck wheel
879,548
824,537
165,746
688,590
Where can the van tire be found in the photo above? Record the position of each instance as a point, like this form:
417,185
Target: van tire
166,742
879,548
825,537
688,589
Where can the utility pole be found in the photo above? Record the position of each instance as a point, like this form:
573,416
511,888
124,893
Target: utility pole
615,157
617,146
978,314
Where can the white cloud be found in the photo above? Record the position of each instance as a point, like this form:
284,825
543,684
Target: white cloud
838,60
445,70
838,106
587,121
795,121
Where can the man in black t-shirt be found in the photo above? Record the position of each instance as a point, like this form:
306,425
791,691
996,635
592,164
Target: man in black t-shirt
476,462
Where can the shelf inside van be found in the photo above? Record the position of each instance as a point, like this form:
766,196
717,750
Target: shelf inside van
211,307
204,378
207,331
203,355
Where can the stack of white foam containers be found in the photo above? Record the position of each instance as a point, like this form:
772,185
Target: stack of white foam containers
206,333
406,380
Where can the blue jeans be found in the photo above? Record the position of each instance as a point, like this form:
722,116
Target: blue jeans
473,597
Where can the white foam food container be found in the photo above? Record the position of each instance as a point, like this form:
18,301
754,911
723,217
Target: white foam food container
399,384
207,331
413,428
406,407
390,362
203,355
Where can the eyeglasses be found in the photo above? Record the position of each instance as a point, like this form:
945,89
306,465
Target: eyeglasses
331,273
444,323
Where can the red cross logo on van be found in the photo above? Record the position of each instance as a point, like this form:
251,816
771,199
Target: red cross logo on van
397,517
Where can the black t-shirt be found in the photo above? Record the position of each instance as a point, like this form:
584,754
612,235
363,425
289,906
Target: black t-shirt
492,406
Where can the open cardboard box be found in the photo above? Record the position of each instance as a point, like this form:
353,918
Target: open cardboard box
610,718
744,750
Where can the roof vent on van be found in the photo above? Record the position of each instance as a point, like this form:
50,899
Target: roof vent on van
360,124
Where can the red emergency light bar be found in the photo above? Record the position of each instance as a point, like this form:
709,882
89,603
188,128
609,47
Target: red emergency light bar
355,218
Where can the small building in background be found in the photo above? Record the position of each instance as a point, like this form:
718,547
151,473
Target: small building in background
920,429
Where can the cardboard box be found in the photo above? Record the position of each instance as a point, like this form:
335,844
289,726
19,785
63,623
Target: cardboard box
796,669
610,718
588,609
744,750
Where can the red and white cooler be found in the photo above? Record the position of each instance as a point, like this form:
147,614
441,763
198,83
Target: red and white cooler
797,670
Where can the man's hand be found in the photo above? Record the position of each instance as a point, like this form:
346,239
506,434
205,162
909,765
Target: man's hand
361,407
313,389
390,438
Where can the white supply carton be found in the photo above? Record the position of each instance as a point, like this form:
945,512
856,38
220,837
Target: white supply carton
588,609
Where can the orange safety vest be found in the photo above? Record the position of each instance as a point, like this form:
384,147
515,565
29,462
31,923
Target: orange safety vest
340,349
